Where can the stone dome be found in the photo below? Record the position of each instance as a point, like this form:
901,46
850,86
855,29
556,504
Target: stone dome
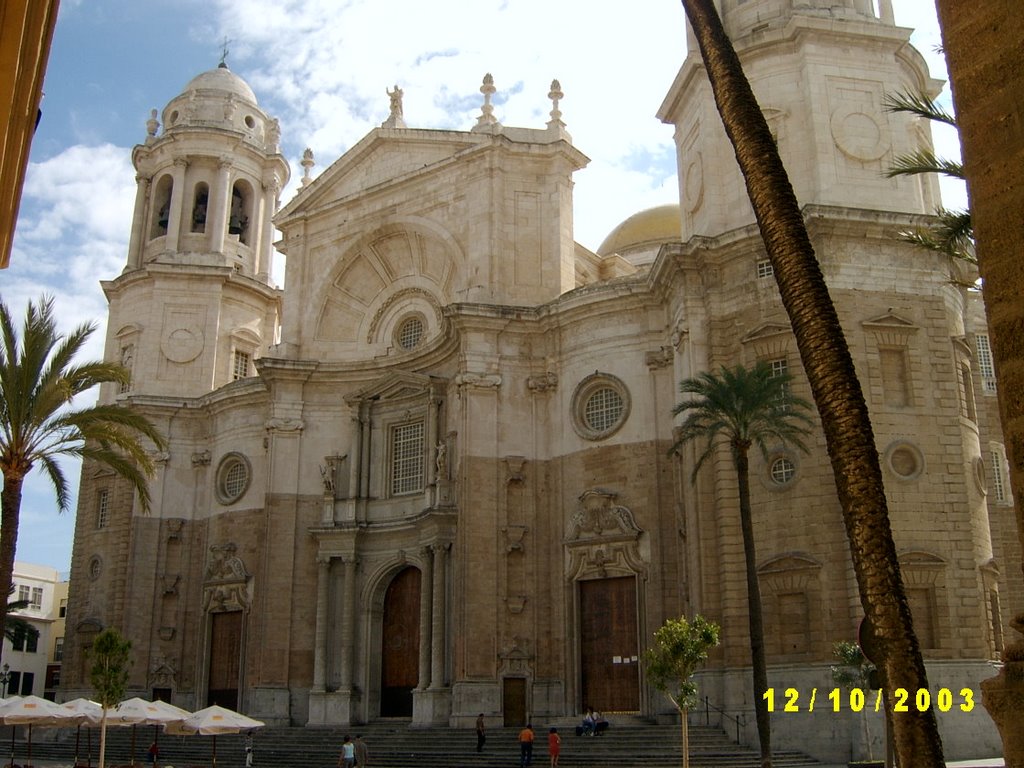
224,80
644,230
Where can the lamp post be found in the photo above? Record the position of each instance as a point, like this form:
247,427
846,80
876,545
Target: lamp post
5,678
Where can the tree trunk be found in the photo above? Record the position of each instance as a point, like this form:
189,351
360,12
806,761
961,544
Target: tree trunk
984,45
684,715
759,665
829,366
10,504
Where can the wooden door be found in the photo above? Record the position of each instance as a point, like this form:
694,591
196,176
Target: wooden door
608,645
400,644
513,701
225,659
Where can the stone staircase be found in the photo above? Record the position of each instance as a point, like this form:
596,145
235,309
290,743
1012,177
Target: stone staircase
394,743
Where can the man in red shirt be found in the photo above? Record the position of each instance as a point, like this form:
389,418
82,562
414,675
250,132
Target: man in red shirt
526,746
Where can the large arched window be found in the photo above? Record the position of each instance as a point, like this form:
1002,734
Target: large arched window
161,206
199,203
240,213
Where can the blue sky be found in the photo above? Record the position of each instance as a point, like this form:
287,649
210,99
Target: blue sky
322,67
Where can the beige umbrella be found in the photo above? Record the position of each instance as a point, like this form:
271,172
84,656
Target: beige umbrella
212,721
30,710
138,711
83,712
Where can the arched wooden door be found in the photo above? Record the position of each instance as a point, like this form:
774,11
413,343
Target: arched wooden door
609,657
400,644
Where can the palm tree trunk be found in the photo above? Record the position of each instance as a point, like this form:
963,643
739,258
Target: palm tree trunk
829,366
10,509
759,665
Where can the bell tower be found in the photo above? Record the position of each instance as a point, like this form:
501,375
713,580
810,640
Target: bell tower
821,70
194,306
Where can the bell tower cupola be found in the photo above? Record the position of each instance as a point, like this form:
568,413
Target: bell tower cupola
208,184
194,307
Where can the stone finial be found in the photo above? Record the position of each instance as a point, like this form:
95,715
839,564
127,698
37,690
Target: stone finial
307,163
396,118
487,120
152,124
555,94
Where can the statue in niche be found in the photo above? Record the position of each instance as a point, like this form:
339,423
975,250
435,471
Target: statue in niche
327,475
441,462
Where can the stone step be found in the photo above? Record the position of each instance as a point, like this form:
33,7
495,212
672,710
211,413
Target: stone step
395,744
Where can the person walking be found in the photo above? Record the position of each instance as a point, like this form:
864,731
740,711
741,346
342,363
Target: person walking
249,755
554,746
362,753
480,736
347,759
526,746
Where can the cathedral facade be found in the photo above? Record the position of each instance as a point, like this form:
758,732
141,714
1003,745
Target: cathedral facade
431,478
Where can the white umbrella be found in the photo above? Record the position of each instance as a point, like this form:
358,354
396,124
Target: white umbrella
212,721
138,711
83,712
30,710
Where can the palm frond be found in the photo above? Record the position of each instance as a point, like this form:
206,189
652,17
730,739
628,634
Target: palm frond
918,104
925,161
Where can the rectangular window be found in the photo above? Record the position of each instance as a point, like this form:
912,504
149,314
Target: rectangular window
895,376
780,367
27,679
14,683
102,508
986,367
967,407
18,638
63,608
37,598
765,269
242,363
998,476
407,458
24,593
32,642
58,649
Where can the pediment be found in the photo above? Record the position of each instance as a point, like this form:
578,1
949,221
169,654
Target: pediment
766,331
890,321
383,156
398,385
787,564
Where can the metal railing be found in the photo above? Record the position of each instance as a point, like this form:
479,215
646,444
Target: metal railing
739,720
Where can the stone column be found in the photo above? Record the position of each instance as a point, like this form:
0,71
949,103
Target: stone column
426,595
171,241
348,623
265,245
138,236
217,221
438,616
323,574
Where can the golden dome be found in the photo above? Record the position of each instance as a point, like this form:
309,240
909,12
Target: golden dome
654,226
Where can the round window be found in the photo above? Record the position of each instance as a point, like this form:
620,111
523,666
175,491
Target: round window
905,461
249,122
95,567
410,333
600,406
233,476
782,471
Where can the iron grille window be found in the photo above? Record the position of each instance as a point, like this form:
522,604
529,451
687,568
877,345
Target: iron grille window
407,458
603,409
243,360
102,508
986,367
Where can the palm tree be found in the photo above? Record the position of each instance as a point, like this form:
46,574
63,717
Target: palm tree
952,232
834,385
38,380
739,408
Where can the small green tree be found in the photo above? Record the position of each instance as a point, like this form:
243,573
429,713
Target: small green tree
680,646
108,675
854,671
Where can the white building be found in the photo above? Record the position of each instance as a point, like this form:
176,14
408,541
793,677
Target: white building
31,663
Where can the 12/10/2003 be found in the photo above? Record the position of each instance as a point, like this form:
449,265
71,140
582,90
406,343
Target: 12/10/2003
856,699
